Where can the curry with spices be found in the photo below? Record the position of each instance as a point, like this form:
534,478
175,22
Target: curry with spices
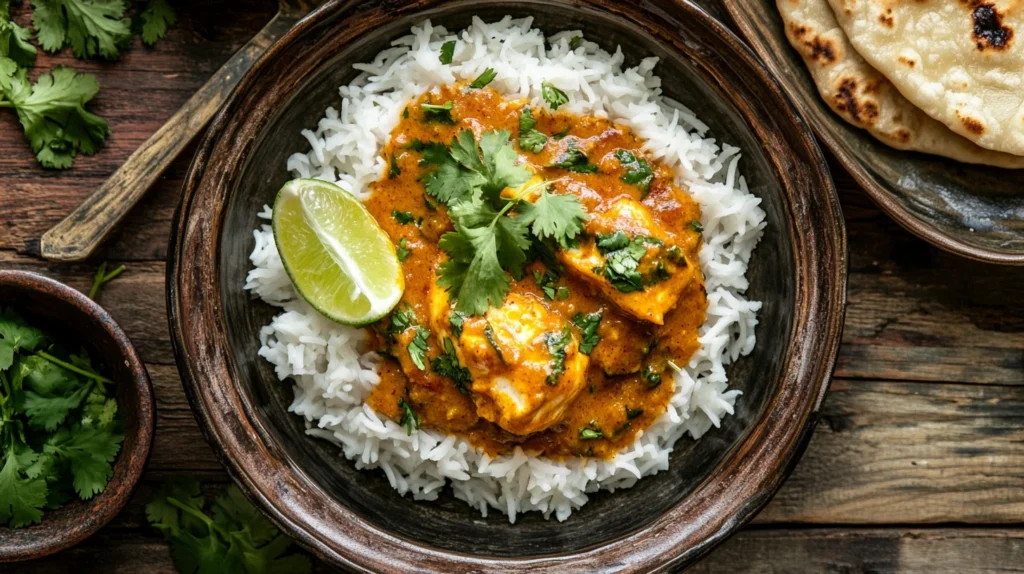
552,276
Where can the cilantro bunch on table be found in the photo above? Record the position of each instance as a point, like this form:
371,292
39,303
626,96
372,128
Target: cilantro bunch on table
493,234
229,537
51,110
59,424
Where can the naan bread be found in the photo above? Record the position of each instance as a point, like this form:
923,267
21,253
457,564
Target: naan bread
864,97
961,61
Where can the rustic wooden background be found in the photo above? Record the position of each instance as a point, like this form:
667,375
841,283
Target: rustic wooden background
918,464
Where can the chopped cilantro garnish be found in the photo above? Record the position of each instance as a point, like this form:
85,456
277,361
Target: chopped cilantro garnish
489,333
575,42
546,281
409,419
438,113
552,95
696,226
588,325
633,413
562,293
393,169
530,139
556,343
403,251
447,365
401,320
418,348
456,320
622,258
403,217
574,160
447,52
650,375
484,78
405,114
561,135
638,171
587,433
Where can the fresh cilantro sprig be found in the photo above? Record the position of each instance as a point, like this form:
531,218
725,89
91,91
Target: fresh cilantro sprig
14,42
91,27
438,113
155,20
492,233
60,428
52,113
232,536
102,278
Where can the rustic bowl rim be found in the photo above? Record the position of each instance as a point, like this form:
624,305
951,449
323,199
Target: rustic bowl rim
41,539
875,190
193,287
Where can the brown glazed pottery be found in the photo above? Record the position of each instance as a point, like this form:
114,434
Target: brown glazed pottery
973,211
57,308
354,518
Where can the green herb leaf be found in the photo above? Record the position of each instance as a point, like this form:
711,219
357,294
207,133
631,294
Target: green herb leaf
638,171
530,139
554,216
456,320
156,19
21,498
410,420
588,325
418,348
447,52
484,78
696,226
590,434
92,27
91,452
14,45
489,333
574,160
556,343
650,375
633,413
102,278
622,259
403,217
575,42
402,251
438,113
552,95
447,365
53,115
393,169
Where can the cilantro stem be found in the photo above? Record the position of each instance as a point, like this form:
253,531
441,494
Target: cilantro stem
102,278
519,197
201,516
6,104
94,376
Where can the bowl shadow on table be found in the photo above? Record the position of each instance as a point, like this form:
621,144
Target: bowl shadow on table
448,523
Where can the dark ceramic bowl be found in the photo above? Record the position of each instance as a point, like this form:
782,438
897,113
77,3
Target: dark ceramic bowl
354,518
973,211
57,308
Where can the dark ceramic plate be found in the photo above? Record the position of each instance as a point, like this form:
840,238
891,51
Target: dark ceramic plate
57,308
973,211
354,518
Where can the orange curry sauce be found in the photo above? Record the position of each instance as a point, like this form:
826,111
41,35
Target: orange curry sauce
628,384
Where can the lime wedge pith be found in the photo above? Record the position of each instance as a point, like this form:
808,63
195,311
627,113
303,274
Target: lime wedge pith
337,256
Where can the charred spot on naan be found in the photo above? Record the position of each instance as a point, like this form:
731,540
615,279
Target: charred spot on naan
886,18
989,32
910,63
972,125
817,49
849,102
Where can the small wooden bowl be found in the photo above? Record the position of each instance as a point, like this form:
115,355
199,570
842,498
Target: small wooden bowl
355,519
57,308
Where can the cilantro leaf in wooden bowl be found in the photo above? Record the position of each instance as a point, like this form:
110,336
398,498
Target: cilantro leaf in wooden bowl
76,417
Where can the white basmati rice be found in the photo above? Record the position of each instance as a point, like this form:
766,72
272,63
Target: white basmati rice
332,370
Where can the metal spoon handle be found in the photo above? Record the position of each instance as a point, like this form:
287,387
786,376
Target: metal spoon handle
81,232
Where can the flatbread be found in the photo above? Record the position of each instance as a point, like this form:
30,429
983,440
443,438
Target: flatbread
864,97
960,61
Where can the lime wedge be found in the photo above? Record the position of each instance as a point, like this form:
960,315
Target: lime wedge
337,256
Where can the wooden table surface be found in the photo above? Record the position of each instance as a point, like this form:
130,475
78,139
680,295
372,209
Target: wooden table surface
918,464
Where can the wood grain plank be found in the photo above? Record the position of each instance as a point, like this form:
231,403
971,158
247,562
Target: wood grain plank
941,551
896,453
